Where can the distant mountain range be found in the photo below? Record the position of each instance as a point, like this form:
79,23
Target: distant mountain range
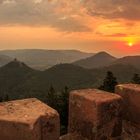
20,81
43,59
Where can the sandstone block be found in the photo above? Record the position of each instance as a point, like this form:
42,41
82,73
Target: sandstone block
131,110
131,131
131,97
28,119
95,114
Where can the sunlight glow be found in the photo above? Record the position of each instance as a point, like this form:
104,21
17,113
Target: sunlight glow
131,41
130,44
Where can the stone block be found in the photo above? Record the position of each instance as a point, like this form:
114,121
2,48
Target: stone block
28,119
131,97
95,114
131,131
131,110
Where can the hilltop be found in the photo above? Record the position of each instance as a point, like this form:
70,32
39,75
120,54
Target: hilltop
100,59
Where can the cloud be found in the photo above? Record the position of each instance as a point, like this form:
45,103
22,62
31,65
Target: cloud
114,9
117,35
65,15
54,13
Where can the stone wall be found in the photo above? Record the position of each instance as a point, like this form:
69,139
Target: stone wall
93,115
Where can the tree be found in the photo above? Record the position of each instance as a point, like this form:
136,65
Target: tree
109,82
64,109
136,79
60,103
52,97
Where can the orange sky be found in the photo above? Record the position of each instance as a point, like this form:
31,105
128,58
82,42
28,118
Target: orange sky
87,25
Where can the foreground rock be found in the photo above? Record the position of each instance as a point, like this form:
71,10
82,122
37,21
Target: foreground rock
131,110
95,114
28,119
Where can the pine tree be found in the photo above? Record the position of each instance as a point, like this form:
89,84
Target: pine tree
64,109
65,94
136,79
109,82
52,97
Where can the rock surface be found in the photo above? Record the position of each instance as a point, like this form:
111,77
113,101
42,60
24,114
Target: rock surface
28,119
95,114
131,110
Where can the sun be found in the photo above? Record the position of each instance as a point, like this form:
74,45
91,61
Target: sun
130,41
130,44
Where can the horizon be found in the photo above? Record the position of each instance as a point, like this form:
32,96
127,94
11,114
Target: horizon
94,53
84,25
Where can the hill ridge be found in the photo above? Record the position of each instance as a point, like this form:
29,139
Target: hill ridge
100,59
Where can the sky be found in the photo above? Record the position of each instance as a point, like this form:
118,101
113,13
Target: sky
86,25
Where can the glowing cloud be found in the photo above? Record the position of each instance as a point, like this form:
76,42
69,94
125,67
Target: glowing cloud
89,25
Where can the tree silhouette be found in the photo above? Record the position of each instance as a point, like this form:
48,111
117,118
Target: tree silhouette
64,109
109,82
52,97
59,101
136,79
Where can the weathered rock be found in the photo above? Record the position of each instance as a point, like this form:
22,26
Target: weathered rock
131,110
131,98
28,119
95,114
131,131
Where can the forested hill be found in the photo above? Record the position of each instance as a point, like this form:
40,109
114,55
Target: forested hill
17,80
